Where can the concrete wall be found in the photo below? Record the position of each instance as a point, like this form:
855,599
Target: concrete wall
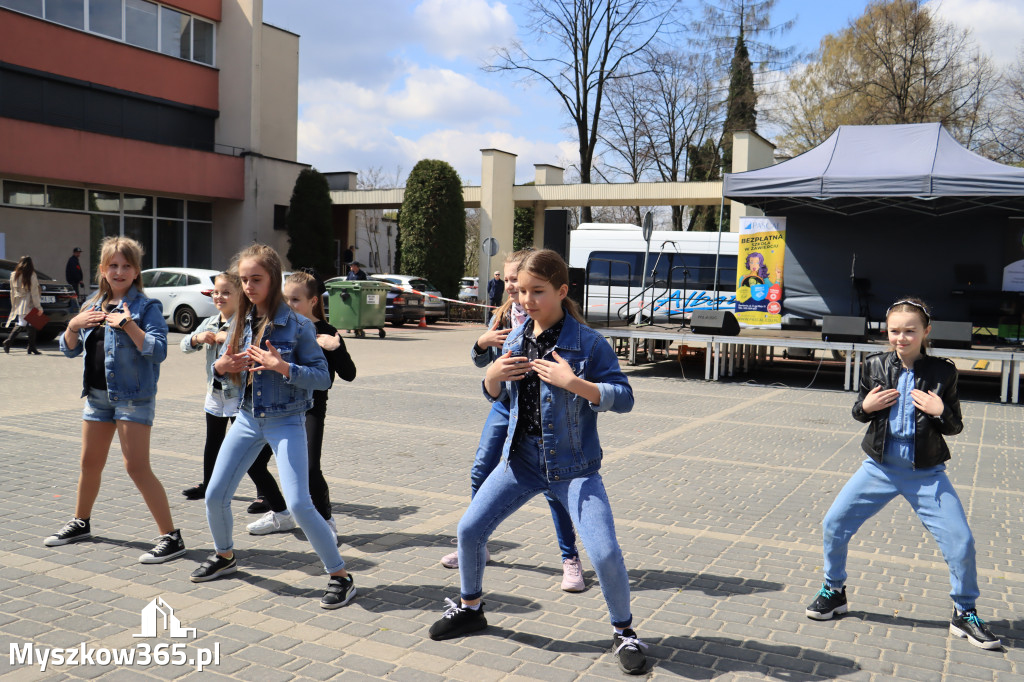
237,90
47,236
279,83
750,152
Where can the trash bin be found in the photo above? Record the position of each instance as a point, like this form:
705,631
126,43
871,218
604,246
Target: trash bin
357,305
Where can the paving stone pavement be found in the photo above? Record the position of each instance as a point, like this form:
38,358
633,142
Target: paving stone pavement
718,490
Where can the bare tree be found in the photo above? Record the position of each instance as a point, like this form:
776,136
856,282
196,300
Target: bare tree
582,45
376,231
625,137
726,20
472,259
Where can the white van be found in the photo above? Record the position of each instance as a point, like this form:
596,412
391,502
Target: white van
683,264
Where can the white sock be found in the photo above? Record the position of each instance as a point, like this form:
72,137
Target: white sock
474,607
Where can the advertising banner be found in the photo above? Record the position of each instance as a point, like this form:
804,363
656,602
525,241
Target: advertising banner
759,271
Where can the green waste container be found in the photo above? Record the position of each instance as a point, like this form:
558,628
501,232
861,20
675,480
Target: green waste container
357,305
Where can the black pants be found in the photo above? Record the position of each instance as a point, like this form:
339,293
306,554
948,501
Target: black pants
267,486
28,329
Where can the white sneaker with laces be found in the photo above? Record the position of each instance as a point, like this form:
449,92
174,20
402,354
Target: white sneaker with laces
272,522
334,525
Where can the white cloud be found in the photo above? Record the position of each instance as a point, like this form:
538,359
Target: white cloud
463,28
997,25
443,95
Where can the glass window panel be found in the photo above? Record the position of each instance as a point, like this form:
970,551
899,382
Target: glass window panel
192,280
66,197
170,243
170,208
105,17
200,245
68,12
148,277
198,210
33,7
138,205
140,19
202,41
24,193
175,33
106,202
100,227
141,230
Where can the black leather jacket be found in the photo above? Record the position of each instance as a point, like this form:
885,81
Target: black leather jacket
930,374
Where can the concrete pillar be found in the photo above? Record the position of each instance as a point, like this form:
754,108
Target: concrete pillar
496,209
750,151
544,174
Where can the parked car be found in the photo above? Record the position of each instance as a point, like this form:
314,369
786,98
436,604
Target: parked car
434,308
59,301
184,293
469,289
402,306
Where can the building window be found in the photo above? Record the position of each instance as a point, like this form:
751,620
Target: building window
175,33
33,7
136,22
138,205
104,202
24,194
280,217
67,12
68,198
170,208
105,18
170,243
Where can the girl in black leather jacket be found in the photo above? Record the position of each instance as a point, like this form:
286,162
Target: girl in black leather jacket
909,400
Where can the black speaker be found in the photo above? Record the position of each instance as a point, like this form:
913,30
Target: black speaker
950,334
556,231
720,322
844,329
577,281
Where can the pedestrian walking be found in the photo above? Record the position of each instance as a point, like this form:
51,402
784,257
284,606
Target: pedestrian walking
557,374
273,356
495,289
909,401
303,293
26,296
122,336
73,273
488,453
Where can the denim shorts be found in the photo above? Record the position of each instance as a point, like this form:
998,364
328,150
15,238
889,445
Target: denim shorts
99,408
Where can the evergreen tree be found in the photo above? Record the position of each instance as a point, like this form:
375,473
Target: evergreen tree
741,106
522,227
310,233
705,165
434,225
398,243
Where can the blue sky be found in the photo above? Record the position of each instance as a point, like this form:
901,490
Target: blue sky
383,84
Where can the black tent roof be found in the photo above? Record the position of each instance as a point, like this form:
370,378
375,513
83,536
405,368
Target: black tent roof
916,167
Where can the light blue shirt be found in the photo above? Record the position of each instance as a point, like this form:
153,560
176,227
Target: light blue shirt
902,424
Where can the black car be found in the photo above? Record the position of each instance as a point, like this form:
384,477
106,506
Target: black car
403,306
59,302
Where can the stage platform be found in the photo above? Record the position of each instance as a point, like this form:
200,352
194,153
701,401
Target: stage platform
729,355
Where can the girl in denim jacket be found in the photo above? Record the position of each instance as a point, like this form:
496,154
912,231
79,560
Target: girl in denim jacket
486,350
557,374
124,338
222,397
273,356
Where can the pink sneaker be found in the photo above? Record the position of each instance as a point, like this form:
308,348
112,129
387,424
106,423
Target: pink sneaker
452,560
572,575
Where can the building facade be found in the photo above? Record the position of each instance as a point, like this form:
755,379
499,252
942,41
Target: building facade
172,122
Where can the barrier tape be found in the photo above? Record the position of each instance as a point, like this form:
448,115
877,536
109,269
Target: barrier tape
428,295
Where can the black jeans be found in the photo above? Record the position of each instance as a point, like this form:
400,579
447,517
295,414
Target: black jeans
267,486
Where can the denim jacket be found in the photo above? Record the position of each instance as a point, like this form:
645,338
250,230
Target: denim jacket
211,324
295,339
568,421
131,374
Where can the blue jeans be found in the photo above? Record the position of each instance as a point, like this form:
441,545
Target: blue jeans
931,495
287,437
510,487
488,455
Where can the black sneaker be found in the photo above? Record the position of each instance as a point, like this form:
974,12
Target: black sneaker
967,624
827,603
196,492
258,506
339,592
213,568
458,620
168,547
627,648
73,531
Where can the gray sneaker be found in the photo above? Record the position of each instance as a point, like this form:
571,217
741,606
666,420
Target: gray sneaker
272,522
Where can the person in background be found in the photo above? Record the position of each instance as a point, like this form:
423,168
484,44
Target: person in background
355,271
495,290
349,255
73,272
25,297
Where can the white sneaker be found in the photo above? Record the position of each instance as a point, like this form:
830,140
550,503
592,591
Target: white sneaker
334,525
272,522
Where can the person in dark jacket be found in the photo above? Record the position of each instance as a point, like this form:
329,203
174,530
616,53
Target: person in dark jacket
495,289
73,272
909,400
355,271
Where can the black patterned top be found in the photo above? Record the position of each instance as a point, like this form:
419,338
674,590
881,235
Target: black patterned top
535,348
